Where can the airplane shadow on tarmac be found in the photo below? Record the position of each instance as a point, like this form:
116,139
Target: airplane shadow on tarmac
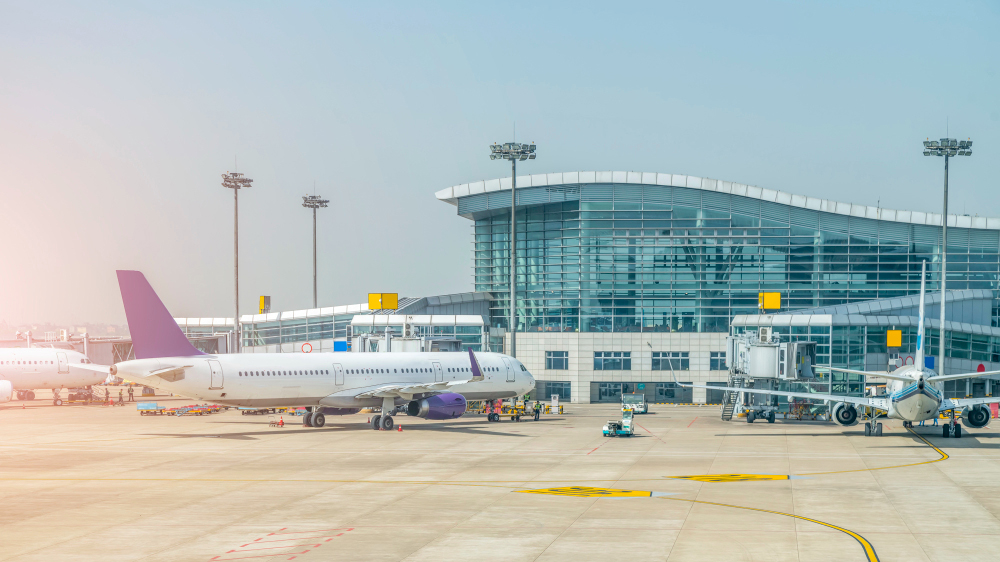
252,435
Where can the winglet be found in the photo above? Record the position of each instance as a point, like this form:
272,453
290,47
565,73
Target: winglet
920,320
154,331
477,371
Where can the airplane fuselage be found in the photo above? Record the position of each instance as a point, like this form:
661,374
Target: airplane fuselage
34,368
323,379
915,400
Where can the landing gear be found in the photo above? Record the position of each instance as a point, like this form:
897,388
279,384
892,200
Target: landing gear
387,423
307,419
30,395
750,416
770,417
878,430
868,429
376,422
946,430
873,428
952,429
388,408
317,419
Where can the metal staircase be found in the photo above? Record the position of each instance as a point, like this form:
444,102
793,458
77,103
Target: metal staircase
729,399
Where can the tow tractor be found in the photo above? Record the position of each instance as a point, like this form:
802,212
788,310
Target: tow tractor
635,402
620,428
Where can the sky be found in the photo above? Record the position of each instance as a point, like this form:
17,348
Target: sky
117,120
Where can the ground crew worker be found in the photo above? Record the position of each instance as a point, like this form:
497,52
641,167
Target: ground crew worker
131,394
120,400
538,409
107,396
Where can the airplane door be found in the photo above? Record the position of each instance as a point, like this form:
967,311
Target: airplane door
216,369
63,363
438,372
510,369
338,374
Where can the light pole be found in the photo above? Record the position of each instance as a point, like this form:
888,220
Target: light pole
513,151
314,202
236,181
946,148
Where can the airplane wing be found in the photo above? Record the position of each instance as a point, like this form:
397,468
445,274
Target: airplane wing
867,373
103,369
961,376
960,403
406,391
880,403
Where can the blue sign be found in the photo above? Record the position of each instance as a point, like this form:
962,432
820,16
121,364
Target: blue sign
641,386
929,361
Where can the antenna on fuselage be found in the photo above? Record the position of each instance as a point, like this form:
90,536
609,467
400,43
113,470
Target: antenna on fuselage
920,318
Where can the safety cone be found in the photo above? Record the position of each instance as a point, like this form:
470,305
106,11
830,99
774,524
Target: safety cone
399,427
281,422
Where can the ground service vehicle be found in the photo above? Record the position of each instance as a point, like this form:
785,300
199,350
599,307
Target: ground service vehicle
635,402
620,428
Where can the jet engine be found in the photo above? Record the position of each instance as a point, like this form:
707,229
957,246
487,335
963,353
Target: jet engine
439,407
6,391
845,414
976,416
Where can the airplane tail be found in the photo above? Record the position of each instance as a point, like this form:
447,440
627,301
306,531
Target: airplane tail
920,319
477,371
154,331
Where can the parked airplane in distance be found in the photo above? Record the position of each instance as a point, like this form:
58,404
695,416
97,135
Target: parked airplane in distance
23,370
914,393
428,385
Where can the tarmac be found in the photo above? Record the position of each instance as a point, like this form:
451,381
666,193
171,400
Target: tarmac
103,483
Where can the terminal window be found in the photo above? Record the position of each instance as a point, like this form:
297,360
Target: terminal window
612,361
557,360
717,361
671,361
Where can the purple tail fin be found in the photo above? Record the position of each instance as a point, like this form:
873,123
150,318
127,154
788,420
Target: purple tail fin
477,371
154,331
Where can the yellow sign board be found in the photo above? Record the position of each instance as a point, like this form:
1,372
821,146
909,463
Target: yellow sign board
769,301
265,304
894,338
732,477
588,492
383,301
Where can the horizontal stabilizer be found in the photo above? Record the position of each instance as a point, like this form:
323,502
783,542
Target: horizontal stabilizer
890,376
962,376
103,369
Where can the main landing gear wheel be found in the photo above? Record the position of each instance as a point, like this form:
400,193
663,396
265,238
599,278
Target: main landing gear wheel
750,416
957,431
878,430
945,431
770,417
376,422
31,395
57,402
318,419
868,429
307,419
387,423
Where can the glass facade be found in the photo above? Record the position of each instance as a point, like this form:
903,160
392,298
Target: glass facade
640,258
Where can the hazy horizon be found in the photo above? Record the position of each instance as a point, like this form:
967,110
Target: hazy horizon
118,121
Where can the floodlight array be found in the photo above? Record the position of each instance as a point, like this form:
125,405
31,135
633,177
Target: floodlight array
948,147
512,151
314,201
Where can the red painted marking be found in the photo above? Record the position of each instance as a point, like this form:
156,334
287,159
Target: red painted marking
692,421
651,433
312,531
314,545
291,539
599,446
260,556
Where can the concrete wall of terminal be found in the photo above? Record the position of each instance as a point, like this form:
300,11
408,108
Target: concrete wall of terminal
531,348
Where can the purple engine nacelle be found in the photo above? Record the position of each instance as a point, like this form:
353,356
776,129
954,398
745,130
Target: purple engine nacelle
439,407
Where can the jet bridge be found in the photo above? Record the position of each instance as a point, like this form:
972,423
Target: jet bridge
759,359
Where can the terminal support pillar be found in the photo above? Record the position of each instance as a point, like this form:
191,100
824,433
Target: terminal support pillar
944,265
513,257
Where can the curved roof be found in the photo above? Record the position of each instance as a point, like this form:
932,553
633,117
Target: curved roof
453,194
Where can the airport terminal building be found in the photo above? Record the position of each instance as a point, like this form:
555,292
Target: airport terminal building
623,276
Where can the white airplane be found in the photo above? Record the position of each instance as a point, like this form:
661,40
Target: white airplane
915,393
428,385
22,370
